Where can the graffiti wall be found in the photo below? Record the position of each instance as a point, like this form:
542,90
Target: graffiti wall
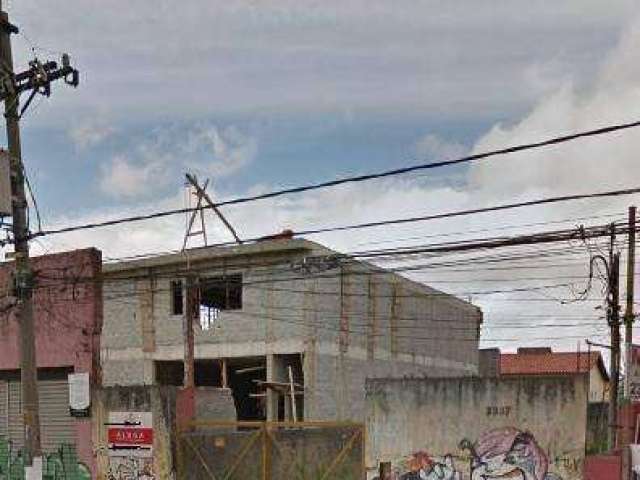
477,428
130,468
62,464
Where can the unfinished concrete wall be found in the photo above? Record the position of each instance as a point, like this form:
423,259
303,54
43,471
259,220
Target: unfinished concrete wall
337,390
140,326
349,320
214,403
387,316
384,325
489,362
533,428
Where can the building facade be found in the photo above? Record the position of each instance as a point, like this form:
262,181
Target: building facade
544,361
280,318
68,316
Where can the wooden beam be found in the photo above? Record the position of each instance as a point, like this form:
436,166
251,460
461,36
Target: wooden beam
250,369
193,181
285,385
294,410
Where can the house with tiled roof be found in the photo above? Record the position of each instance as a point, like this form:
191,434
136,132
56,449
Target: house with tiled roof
546,362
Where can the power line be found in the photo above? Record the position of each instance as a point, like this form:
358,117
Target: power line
418,251
445,163
474,211
361,178
439,216
286,267
108,260
480,230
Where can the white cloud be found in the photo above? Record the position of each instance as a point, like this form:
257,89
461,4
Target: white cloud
122,178
436,148
152,161
89,134
587,165
229,149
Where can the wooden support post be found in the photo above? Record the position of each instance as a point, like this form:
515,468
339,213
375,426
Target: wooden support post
224,373
294,410
187,330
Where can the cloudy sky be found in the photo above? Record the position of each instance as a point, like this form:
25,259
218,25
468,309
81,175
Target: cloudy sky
257,95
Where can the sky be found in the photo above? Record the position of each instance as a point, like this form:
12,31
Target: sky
260,95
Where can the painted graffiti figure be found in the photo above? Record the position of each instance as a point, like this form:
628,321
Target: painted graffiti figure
507,453
499,454
421,466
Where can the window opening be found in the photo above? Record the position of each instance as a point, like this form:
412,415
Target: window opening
218,294
177,298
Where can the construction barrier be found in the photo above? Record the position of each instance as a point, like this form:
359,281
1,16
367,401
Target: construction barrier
210,450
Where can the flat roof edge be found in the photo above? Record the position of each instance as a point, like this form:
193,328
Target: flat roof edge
203,254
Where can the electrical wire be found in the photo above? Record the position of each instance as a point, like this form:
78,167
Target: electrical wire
388,173
33,198
358,226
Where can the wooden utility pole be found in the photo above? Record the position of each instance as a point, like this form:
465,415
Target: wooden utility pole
613,318
36,80
23,281
191,309
628,314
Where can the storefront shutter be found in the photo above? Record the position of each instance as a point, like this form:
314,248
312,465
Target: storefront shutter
56,424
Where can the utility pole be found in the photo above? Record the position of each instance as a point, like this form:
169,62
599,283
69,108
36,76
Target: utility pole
628,314
36,80
191,309
613,318
23,275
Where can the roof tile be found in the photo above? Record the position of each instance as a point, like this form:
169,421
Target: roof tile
560,363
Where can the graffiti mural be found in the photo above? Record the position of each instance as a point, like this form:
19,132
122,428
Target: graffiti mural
499,454
130,468
422,466
507,453
62,464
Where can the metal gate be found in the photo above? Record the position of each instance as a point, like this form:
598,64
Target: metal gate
210,450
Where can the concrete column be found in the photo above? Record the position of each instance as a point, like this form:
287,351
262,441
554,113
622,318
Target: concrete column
309,372
272,396
148,371
144,312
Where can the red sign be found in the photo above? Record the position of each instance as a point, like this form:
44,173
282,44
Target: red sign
130,436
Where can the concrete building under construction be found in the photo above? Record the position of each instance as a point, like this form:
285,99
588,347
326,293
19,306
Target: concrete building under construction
279,319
